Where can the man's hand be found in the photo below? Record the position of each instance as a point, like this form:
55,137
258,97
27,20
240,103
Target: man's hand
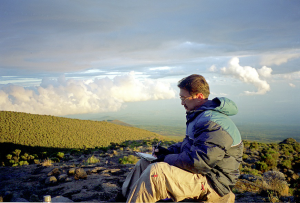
157,151
160,158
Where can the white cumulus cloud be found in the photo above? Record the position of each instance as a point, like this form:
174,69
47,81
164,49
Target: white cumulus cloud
265,72
68,96
249,75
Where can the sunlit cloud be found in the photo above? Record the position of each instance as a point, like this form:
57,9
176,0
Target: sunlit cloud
161,68
290,76
278,59
292,85
265,72
63,96
248,75
213,68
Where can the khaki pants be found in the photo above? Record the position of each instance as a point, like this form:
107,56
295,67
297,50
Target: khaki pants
152,182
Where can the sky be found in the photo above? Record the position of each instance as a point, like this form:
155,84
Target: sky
123,59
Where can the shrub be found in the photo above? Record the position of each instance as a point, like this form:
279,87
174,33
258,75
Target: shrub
274,146
276,182
25,156
270,161
17,152
253,146
251,171
9,156
55,160
271,152
47,162
92,160
287,164
128,160
297,147
22,163
60,155
262,166
245,156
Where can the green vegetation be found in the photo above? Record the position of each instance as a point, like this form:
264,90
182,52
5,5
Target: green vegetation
60,155
26,138
128,160
278,163
92,160
50,131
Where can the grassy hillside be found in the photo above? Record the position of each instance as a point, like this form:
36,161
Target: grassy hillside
57,132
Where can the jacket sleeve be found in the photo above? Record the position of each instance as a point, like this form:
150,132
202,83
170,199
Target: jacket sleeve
175,148
209,146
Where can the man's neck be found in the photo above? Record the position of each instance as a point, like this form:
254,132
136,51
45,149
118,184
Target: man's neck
201,103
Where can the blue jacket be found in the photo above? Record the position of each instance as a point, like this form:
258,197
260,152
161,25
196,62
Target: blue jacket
213,146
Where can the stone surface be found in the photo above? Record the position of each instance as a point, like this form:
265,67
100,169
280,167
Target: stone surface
71,171
54,172
51,180
60,199
80,174
62,177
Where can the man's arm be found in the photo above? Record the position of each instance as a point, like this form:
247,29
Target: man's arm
175,148
206,150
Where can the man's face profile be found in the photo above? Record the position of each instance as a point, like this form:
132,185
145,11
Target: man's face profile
188,101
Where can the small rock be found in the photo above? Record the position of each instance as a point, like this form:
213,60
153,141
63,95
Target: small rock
110,188
34,198
80,174
8,195
295,176
54,172
115,170
62,177
290,172
71,171
51,180
97,169
60,199
249,177
68,180
88,172
19,200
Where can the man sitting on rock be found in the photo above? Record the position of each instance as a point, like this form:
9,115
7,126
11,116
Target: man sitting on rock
205,165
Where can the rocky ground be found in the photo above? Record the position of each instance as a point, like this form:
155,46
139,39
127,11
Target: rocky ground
75,180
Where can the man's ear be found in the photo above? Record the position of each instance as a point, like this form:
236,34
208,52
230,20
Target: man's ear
200,96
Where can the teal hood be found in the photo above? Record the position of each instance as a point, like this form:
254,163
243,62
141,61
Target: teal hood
220,104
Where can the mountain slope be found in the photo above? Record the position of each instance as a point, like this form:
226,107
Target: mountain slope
50,131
